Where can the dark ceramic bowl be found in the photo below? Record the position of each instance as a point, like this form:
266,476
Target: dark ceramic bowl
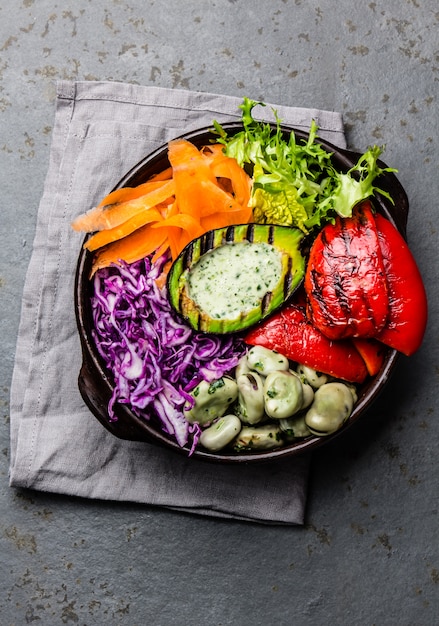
95,381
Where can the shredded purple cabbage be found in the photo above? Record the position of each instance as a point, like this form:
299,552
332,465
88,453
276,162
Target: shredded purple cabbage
155,359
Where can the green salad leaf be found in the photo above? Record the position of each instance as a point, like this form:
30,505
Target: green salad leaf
294,181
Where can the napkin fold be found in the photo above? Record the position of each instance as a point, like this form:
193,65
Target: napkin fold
101,130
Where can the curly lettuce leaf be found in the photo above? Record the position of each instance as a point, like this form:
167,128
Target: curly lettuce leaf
294,181
350,189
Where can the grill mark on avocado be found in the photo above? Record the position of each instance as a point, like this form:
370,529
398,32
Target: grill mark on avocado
288,278
266,301
270,237
250,233
230,234
187,257
206,242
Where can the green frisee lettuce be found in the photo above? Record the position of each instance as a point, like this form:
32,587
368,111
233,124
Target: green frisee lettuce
294,181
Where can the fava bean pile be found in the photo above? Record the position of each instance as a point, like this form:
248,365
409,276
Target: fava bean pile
267,404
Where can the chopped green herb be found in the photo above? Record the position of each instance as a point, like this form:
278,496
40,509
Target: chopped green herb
216,384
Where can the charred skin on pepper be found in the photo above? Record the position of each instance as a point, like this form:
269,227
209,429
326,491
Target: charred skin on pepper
345,280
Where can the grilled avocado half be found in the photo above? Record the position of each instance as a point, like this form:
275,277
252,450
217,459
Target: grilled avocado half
233,277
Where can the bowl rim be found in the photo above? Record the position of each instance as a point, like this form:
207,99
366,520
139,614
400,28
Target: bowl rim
94,380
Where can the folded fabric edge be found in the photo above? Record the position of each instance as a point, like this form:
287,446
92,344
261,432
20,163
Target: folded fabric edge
295,520
151,95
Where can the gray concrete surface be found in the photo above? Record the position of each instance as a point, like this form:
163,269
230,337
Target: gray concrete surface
368,554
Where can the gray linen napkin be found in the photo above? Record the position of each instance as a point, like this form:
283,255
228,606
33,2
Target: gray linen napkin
101,130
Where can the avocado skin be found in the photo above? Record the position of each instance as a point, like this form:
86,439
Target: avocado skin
284,238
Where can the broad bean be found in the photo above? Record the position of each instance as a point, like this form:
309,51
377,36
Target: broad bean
311,376
250,406
332,405
283,394
265,361
211,400
220,433
258,437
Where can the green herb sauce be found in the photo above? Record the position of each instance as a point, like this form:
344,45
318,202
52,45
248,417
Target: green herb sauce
233,279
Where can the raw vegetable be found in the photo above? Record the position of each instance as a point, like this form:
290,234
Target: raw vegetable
104,237
408,311
345,279
197,188
155,359
294,182
124,204
290,333
202,190
133,247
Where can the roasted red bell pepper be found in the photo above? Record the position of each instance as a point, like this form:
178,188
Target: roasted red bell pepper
290,333
345,280
373,353
408,310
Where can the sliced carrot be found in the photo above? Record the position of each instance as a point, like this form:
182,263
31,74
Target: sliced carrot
212,150
174,242
104,237
163,175
161,250
225,167
161,280
188,161
203,189
173,233
189,169
183,221
185,227
192,167
216,200
220,220
172,209
134,247
129,193
212,153
109,216
183,240
372,353
119,196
